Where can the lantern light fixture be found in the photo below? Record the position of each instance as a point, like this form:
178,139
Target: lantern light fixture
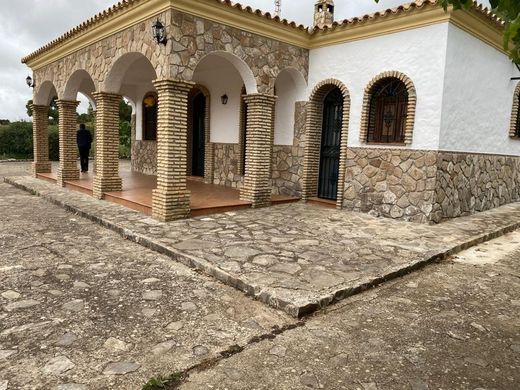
159,32
224,98
30,82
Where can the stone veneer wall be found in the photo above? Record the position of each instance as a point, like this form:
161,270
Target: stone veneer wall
144,157
226,172
392,183
428,186
287,170
469,183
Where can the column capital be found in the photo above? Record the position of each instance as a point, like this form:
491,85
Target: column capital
260,98
61,103
166,84
39,107
105,95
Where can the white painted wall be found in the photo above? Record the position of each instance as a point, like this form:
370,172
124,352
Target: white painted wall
478,96
419,53
288,92
220,77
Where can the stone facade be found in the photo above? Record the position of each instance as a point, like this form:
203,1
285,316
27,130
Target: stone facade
287,170
428,186
144,157
392,183
227,161
469,183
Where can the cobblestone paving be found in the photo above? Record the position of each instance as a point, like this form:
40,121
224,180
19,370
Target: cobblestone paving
82,308
454,325
295,257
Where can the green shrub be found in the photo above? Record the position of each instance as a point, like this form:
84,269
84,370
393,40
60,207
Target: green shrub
16,140
54,143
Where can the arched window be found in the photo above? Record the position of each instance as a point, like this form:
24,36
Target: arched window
387,112
388,109
150,117
514,130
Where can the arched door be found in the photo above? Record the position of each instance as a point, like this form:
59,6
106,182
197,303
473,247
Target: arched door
330,145
199,120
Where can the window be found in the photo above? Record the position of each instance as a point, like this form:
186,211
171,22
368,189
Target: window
150,117
388,112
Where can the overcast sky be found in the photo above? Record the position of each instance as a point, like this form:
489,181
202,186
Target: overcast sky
26,25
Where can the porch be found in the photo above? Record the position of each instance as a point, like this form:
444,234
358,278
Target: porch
205,199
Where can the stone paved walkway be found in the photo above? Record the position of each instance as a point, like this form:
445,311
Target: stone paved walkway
82,308
452,326
295,257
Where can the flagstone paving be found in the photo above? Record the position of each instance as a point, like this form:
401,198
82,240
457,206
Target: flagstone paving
454,325
295,257
82,308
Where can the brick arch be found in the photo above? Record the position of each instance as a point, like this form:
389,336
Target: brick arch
44,92
209,148
313,130
410,113
515,111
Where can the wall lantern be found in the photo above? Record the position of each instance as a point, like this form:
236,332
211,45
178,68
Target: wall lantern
224,98
30,82
159,32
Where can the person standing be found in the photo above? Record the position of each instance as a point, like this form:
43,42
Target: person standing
84,141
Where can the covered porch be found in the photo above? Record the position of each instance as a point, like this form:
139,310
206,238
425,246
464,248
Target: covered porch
137,192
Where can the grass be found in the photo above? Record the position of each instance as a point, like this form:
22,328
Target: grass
158,383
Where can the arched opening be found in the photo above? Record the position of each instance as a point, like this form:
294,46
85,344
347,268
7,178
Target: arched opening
332,124
326,137
227,78
80,87
387,112
45,128
132,77
290,88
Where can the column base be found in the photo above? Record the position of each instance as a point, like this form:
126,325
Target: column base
41,167
171,205
258,198
106,184
67,175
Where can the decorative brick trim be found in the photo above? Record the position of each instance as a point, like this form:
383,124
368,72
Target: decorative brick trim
410,113
41,163
313,130
513,131
257,180
68,168
107,144
171,198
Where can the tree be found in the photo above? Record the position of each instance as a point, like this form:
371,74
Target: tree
508,11
53,111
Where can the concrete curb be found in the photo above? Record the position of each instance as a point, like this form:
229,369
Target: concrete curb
266,296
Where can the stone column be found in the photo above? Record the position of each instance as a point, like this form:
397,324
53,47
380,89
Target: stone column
68,169
171,198
259,151
107,144
311,161
41,163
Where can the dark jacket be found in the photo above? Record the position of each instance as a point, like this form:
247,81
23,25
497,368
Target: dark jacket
84,138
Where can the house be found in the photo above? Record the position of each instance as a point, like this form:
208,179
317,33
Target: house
410,113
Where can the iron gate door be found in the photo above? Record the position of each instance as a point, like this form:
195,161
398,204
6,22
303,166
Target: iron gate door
330,145
199,119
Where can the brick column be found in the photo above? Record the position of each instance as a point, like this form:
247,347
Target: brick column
171,198
41,163
259,151
107,144
68,169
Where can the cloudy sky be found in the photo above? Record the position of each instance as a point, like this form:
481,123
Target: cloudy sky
26,25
